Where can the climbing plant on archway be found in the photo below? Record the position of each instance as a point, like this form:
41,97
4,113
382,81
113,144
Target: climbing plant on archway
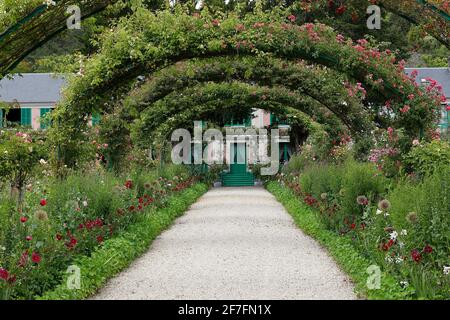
217,102
321,84
160,40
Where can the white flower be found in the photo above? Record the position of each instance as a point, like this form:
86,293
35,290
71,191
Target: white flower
386,214
3,248
398,260
43,162
401,244
379,211
388,259
446,270
404,284
85,204
394,235
404,232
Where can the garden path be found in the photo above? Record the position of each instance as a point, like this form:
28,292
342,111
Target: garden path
234,243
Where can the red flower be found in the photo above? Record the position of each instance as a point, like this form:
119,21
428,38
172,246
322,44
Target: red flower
23,219
292,18
129,184
131,208
35,257
43,202
428,249
4,274
72,243
215,22
98,222
363,226
353,226
59,237
141,200
99,239
390,243
81,226
416,256
29,238
330,4
340,10
140,207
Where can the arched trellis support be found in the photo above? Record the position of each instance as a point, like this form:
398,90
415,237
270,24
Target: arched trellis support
42,23
160,40
321,84
217,101
292,116
165,38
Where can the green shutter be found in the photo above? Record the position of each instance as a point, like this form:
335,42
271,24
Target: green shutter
43,121
1,118
25,117
95,119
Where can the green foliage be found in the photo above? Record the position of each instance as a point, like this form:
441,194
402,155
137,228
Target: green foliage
99,267
162,39
340,248
20,153
429,200
403,227
425,158
62,220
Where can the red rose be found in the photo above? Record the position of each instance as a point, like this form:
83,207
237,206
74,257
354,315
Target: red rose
29,238
352,226
23,219
141,200
390,243
131,208
35,257
59,237
43,202
99,239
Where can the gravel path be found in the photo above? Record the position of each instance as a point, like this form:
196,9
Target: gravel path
234,243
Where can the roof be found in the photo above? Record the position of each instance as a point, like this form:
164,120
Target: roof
441,75
32,88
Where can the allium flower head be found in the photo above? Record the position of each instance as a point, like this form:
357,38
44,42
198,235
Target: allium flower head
362,200
41,215
384,205
411,217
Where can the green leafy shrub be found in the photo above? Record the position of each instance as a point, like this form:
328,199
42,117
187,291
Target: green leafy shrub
425,158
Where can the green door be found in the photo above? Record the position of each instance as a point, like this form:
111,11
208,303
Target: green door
25,117
238,158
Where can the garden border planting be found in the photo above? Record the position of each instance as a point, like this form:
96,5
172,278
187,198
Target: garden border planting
117,253
340,248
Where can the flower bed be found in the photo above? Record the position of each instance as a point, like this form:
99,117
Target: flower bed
61,221
402,227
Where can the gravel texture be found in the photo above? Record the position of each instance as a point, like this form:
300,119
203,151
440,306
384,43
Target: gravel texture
234,243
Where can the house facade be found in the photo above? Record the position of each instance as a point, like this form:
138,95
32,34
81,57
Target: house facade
26,99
